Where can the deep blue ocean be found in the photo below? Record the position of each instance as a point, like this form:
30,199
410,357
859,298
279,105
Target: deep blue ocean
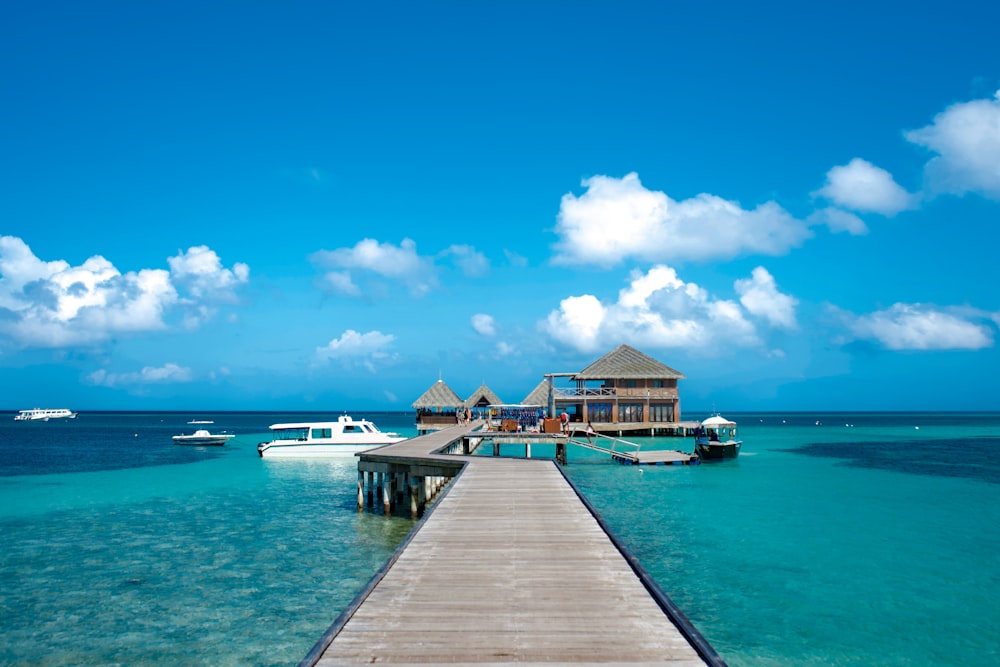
835,539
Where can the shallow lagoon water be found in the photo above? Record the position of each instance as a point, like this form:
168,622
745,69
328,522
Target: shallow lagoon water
867,539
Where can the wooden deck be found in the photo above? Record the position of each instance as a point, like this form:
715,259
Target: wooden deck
509,567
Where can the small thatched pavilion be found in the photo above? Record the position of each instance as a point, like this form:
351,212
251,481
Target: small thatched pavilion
437,406
482,398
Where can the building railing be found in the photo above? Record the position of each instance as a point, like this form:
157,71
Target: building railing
619,392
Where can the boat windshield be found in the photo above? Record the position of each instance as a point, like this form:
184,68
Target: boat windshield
294,433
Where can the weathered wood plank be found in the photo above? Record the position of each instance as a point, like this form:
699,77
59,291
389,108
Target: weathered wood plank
510,567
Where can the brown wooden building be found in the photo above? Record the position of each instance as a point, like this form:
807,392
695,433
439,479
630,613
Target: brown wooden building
625,390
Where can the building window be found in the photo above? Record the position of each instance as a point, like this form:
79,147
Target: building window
599,412
661,412
629,413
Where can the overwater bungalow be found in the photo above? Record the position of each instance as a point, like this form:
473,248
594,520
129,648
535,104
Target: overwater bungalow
625,391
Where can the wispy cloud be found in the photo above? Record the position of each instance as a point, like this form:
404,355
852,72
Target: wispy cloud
369,258
166,374
917,326
484,324
358,349
472,262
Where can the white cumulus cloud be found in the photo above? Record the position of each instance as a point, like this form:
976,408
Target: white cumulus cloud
618,218
199,271
760,296
923,327
861,186
966,138
53,304
658,310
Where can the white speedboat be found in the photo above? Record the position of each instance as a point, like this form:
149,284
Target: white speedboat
203,437
43,414
344,437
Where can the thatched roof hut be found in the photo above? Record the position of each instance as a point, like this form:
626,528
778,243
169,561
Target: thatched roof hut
482,397
439,396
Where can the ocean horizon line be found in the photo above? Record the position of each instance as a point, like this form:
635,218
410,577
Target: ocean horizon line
203,411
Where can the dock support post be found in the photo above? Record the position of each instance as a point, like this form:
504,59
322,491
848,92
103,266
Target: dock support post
465,446
561,452
527,450
387,494
414,500
371,488
496,448
361,490
422,491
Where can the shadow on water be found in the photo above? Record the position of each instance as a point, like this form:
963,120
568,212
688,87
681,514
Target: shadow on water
968,458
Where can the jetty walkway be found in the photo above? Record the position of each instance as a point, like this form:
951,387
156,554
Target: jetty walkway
511,566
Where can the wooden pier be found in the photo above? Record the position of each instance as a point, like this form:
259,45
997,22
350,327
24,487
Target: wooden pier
511,566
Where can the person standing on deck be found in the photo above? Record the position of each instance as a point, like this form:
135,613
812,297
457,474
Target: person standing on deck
564,420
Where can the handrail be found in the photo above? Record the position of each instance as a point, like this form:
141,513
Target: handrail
612,450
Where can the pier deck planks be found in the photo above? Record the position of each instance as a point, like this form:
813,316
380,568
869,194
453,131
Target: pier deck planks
510,567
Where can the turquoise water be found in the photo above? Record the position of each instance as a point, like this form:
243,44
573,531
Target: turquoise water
868,539
201,556
869,544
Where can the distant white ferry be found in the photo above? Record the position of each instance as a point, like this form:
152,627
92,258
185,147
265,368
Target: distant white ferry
344,437
40,414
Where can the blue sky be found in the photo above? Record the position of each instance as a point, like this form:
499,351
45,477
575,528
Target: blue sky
324,206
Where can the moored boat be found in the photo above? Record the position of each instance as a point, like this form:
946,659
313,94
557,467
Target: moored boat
203,437
715,438
43,414
344,437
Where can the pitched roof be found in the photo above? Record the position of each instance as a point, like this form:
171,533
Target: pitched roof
483,392
440,395
627,363
539,395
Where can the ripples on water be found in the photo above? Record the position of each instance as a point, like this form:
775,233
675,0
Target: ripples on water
121,548
217,558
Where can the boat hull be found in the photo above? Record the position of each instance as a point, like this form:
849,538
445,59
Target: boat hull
201,442
268,450
713,451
